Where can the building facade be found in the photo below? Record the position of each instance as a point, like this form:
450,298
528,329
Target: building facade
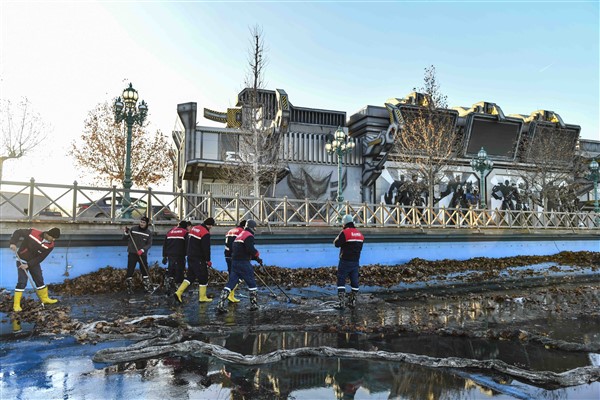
374,171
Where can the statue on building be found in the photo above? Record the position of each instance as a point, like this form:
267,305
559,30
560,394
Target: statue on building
525,197
415,191
393,194
552,197
506,192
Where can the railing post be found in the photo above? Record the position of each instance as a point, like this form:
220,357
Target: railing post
31,197
285,210
237,207
113,197
262,208
381,213
180,210
209,205
306,211
74,216
149,212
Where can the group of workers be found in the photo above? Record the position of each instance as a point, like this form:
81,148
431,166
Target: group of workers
191,242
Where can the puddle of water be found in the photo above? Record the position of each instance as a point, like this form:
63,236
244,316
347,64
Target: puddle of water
61,368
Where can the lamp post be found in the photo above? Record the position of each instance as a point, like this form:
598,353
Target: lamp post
482,164
125,111
339,146
593,176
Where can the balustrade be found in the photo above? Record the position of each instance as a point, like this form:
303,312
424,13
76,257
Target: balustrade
32,201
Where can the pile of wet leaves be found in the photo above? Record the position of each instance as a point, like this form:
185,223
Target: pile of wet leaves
111,280
55,319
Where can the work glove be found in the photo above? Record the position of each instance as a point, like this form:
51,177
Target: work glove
209,264
259,261
127,230
140,252
164,260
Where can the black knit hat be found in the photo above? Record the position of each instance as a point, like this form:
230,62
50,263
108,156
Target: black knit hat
184,224
209,221
145,219
250,224
54,232
242,223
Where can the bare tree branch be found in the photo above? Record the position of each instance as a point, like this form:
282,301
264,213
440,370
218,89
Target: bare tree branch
428,138
22,130
258,158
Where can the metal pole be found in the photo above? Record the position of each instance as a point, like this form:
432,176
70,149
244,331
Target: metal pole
482,189
340,197
127,181
596,208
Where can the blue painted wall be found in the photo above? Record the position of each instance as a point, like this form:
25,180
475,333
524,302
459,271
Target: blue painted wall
83,260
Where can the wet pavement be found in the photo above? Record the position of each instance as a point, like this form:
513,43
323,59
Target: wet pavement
550,323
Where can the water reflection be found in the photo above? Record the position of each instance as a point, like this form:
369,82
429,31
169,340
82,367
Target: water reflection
344,378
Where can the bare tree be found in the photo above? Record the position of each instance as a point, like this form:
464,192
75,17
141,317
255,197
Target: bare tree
22,130
552,164
258,158
101,150
428,138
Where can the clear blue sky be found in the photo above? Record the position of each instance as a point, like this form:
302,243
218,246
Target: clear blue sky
68,56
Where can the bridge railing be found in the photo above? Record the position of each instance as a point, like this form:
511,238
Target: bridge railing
33,201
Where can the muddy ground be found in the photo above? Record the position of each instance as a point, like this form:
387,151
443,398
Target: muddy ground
534,320
412,294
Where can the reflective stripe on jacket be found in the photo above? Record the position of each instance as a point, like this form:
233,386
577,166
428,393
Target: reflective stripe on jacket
243,247
350,241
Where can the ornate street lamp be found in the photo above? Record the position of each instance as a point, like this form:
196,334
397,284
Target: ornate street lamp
339,146
482,164
593,176
125,111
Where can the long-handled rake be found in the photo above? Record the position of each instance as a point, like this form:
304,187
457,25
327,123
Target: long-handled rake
28,275
265,284
290,300
152,284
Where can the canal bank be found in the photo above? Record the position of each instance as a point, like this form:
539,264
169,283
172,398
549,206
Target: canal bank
84,248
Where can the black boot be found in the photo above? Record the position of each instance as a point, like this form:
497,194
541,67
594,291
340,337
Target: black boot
146,283
253,300
129,284
341,304
222,305
352,298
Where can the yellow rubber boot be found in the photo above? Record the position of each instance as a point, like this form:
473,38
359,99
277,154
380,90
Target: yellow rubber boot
232,297
184,285
16,325
17,301
43,295
202,295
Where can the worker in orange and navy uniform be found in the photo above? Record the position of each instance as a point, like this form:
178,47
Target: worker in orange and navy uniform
229,238
198,258
350,241
242,252
174,249
35,247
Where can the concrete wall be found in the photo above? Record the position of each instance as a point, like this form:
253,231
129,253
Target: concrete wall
81,260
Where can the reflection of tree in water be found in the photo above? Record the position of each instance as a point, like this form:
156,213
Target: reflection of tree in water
414,382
